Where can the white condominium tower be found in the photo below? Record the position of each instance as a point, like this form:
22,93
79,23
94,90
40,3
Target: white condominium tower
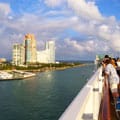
50,46
47,55
18,54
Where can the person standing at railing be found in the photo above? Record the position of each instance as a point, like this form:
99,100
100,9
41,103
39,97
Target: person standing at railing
106,57
118,66
114,62
112,76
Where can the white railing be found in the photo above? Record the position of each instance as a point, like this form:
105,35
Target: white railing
87,103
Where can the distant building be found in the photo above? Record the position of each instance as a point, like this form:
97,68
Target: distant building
47,55
18,54
2,60
27,53
30,49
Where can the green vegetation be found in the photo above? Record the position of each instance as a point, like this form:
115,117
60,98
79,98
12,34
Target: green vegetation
39,67
6,66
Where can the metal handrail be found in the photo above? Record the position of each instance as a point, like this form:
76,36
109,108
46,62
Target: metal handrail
105,104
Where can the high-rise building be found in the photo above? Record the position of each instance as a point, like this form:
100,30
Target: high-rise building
18,54
50,46
47,55
30,49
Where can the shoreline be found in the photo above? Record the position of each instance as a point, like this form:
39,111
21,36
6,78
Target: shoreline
46,69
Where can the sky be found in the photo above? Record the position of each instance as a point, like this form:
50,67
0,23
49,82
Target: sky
80,28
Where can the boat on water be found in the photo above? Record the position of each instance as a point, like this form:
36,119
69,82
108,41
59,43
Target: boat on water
15,75
24,74
93,102
5,75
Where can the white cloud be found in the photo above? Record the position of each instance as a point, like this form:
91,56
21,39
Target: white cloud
74,45
81,47
77,49
4,9
85,9
53,3
86,20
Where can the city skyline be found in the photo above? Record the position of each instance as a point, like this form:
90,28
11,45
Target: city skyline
27,53
80,28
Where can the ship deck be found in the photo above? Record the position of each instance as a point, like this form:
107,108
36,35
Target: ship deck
96,96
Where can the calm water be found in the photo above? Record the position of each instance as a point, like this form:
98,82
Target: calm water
44,97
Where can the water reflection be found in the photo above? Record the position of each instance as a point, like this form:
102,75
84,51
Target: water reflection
47,76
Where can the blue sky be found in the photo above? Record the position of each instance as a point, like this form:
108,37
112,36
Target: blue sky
80,28
109,7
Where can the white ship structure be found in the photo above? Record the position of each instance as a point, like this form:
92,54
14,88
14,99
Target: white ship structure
94,101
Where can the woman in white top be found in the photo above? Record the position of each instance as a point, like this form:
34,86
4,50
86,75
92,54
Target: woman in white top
113,77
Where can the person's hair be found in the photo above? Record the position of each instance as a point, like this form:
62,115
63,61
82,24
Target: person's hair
106,56
107,61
